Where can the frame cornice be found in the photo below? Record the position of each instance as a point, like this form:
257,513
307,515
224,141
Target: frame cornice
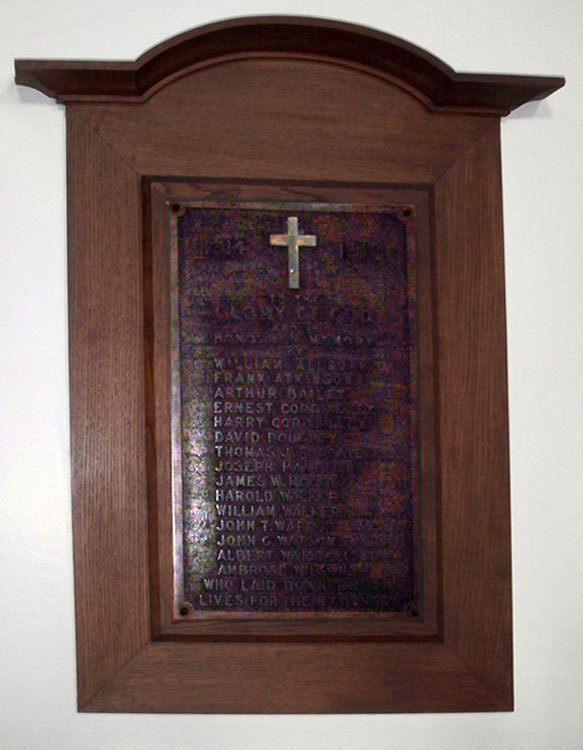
431,80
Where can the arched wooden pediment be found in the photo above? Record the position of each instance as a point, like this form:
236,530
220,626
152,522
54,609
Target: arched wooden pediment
432,81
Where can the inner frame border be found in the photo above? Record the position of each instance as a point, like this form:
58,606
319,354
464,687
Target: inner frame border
157,193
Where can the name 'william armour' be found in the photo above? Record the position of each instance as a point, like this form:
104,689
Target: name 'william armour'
248,363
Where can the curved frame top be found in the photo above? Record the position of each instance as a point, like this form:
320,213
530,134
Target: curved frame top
433,82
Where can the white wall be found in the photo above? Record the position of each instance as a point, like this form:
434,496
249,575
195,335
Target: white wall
542,156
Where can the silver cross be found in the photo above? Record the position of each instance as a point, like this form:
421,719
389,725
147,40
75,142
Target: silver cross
293,240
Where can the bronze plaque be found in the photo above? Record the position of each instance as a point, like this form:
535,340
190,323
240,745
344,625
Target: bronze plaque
294,409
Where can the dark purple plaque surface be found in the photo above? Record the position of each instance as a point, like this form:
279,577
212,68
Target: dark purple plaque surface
294,410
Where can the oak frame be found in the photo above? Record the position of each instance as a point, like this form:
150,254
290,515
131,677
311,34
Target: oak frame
199,107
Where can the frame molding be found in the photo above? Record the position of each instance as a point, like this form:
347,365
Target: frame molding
156,194
433,82
361,108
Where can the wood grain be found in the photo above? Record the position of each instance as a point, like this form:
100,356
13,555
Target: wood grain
107,402
469,262
295,678
285,120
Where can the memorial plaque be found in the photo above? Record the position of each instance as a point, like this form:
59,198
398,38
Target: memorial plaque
288,373
294,409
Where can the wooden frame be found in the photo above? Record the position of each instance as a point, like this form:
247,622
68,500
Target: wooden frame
158,193
300,102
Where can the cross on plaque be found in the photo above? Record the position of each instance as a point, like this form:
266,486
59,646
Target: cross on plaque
293,240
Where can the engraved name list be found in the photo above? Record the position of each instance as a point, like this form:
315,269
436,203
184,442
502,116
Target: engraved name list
294,410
